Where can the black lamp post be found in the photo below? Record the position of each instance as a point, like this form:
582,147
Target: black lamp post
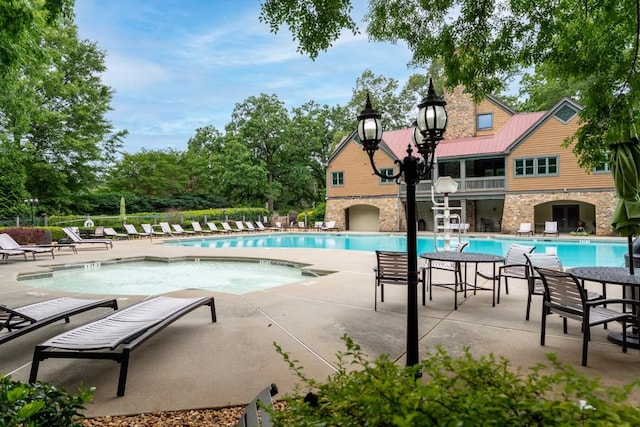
31,203
431,124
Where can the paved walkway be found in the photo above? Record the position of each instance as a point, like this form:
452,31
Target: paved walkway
198,364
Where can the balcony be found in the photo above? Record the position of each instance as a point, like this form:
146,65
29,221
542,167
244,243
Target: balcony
469,186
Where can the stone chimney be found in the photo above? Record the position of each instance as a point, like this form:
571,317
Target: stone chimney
461,112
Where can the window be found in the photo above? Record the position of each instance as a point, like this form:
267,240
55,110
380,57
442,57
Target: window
451,169
602,168
337,179
484,121
566,113
387,172
538,166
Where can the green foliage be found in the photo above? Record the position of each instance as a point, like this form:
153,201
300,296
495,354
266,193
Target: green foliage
40,404
460,391
26,235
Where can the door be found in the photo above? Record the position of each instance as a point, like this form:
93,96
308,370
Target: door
567,217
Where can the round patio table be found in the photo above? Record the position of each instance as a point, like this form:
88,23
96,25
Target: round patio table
614,276
464,258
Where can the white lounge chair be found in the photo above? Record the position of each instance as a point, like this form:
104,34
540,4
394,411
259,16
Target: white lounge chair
214,228
148,228
330,225
250,227
551,227
132,231
75,237
110,232
525,229
8,244
6,253
166,228
198,229
179,230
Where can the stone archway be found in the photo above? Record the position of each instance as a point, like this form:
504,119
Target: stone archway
390,213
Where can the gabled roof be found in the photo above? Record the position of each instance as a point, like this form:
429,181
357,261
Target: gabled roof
518,124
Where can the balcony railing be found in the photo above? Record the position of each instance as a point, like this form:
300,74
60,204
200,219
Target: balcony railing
467,185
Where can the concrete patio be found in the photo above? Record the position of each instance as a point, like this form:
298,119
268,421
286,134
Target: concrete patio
198,364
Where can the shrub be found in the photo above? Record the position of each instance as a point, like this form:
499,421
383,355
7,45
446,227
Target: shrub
26,235
462,391
40,404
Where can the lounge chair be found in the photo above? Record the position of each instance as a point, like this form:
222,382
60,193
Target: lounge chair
551,227
179,230
110,232
318,225
214,228
227,228
330,225
6,253
198,229
250,227
148,228
132,231
525,229
98,232
254,414
261,227
75,237
116,335
240,226
166,228
7,243
15,322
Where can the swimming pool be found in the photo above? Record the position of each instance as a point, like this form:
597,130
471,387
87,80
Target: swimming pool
156,277
573,253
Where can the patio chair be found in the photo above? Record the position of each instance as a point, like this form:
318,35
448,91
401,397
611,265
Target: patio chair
75,237
564,295
110,232
148,228
525,229
116,335
227,228
445,266
132,231
261,227
254,413
177,229
514,267
551,227
250,227
391,269
198,229
98,232
8,244
15,322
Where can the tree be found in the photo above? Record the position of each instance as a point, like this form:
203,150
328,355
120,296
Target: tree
54,116
482,44
383,94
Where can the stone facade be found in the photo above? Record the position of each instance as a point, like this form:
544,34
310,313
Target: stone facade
461,114
519,208
391,217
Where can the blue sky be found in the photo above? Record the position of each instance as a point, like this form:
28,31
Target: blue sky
176,66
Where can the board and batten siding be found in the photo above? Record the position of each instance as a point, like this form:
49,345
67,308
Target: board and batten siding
359,179
547,141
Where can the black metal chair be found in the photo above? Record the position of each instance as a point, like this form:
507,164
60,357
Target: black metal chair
564,295
431,265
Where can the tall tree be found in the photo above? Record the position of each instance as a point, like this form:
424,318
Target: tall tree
55,117
484,43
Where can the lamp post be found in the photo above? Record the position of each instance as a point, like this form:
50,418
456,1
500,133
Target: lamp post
431,124
31,202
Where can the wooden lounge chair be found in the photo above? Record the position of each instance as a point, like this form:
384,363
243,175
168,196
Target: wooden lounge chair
15,322
116,335
79,240
7,243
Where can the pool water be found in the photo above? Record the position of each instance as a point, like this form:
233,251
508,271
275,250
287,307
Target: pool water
572,253
152,277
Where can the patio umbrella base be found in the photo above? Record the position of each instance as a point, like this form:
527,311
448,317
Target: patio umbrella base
633,340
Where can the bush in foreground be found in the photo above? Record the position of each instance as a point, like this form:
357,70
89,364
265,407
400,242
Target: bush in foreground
460,391
40,404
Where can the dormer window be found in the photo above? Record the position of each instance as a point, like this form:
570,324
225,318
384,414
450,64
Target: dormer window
484,121
566,113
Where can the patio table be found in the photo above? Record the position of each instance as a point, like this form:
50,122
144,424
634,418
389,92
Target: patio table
614,276
464,258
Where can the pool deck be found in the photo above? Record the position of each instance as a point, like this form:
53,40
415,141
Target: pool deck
198,364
